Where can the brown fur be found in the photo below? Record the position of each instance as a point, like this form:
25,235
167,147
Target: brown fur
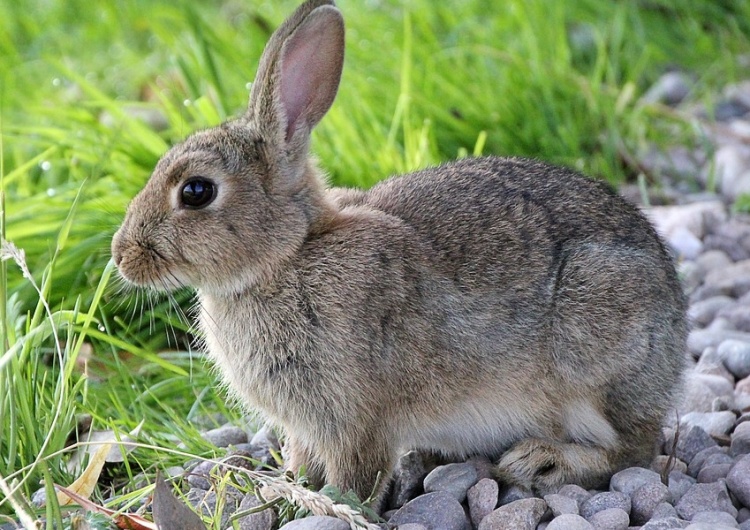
490,306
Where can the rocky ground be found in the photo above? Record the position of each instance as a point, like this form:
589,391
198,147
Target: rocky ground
708,481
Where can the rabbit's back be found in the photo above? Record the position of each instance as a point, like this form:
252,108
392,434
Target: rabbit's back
560,259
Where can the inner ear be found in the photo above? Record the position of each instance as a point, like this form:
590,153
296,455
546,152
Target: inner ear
310,69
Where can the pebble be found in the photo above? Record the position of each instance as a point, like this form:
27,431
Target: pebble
560,504
692,441
523,514
713,423
701,390
740,440
317,522
705,497
603,501
437,511
482,499
454,479
671,88
610,519
576,492
679,484
713,473
633,478
225,436
697,462
736,357
569,522
711,364
646,499
700,339
717,518
738,480
670,523
263,520
702,313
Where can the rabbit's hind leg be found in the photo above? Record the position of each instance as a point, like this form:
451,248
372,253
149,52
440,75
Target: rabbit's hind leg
545,465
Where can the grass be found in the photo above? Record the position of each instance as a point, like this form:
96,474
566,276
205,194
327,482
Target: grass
91,94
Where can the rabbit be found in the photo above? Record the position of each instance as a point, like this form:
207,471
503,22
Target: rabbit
490,306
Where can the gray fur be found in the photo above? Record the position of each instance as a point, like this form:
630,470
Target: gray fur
490,306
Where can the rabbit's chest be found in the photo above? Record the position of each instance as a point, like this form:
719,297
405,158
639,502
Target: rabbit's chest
264,358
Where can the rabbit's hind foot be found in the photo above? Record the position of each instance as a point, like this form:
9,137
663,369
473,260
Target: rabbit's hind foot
543,466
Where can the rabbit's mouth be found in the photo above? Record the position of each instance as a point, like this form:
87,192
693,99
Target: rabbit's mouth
143,265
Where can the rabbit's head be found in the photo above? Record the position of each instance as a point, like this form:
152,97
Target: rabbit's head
227,205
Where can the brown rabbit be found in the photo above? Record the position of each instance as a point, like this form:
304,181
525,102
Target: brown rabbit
490,306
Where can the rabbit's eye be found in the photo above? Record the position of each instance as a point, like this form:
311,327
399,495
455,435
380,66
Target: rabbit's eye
198,192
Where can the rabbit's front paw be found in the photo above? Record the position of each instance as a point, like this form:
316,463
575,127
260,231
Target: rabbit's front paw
544,466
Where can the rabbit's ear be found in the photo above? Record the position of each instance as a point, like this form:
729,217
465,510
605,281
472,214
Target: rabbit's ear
299,74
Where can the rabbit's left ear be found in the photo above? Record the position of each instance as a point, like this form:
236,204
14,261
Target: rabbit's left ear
299,75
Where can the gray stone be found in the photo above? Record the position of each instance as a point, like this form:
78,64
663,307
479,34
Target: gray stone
705,497
570,521
664,511
645,499
708,526
736,356
703,312
561,505
671,88
684,243
730,163
738,480
670,523
660,463
482,498
737,315
745,525
523,514
629,480
575,492
412,526
610,519
697,462
717,518
700,339
604,501
714,423
679,484
714,259
198,476
714,472
740,440
263,520
701,390
690,442
743,515
719,458
205,503
454,479
437,511
225,436
711,364
317,522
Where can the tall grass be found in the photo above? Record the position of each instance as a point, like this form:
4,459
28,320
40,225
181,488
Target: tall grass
91,93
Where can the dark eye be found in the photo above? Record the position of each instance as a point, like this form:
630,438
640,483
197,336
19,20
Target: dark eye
198,192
